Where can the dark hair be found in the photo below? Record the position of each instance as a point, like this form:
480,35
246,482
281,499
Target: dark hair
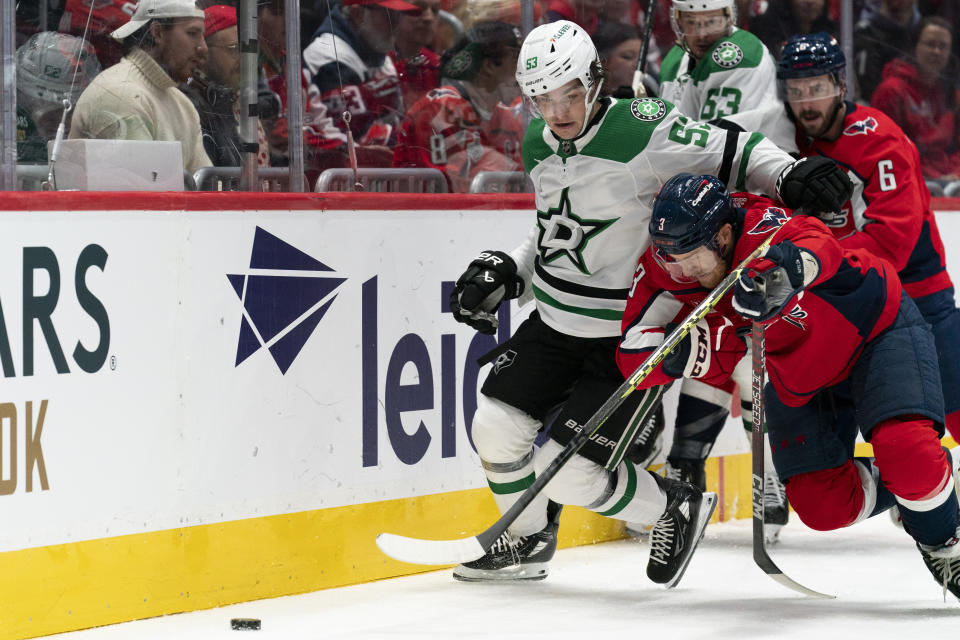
936,21
143,37
610,35
949,74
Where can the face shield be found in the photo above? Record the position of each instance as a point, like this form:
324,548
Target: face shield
690,267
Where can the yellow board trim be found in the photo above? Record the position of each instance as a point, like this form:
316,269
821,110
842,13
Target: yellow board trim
92,583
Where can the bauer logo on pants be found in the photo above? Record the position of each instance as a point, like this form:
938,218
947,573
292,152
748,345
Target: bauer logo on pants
280,309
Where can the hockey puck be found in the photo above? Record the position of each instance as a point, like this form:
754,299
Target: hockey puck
245,624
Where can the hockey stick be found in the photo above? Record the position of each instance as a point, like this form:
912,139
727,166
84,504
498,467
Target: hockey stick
420,551
641,71
760,555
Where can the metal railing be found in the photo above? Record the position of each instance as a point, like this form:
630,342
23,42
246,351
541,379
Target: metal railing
228,178
384,180
501,182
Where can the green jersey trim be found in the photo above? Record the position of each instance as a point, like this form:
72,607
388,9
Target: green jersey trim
752,142
600,314
670,68
534,149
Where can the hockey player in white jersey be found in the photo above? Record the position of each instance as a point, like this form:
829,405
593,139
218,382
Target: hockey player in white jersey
596,164
719,73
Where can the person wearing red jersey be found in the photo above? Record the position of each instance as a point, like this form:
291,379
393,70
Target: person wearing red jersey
418,67
889,213
474,122
845,351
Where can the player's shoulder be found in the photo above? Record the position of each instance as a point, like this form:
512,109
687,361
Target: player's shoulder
670,67
761,214
739,50
627,128
870,123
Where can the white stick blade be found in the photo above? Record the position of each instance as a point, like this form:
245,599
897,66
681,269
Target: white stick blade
418,551
799,588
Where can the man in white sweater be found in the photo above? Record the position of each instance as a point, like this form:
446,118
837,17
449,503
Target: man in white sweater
138,98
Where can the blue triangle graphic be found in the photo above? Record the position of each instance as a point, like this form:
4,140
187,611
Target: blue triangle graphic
273,302
236,280
270,252
286,349
248,343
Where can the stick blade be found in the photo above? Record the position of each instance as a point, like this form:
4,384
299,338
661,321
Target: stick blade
419,551
789,583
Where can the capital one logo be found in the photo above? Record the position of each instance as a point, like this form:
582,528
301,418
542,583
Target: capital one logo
285,293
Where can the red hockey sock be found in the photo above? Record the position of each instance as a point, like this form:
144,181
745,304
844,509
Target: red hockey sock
953,425
827,499
908,454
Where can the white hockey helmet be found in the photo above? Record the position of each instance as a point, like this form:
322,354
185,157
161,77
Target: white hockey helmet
693,6
53,66
552,55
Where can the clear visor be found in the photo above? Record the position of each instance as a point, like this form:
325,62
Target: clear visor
696,24
688,267
810,89
556,102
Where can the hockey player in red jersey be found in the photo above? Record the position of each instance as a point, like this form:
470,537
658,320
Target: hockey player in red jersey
889,213
474,122
845,351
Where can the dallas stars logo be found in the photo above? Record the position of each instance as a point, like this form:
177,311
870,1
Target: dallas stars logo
648,109
727,55
563,233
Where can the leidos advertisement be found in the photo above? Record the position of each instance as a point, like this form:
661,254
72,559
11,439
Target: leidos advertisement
167,369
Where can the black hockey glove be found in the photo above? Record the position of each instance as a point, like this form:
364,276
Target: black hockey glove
490,279
690,358
814,185
763,291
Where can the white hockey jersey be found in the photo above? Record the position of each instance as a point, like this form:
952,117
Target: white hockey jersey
735,80
594,197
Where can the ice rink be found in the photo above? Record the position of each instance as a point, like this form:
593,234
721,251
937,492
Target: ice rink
882,591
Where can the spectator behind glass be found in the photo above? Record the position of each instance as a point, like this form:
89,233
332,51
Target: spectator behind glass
96,20
581,12
51,68
881,38
784,18
619,47
474,122
138,98
349,70
417,66
214,91
919,95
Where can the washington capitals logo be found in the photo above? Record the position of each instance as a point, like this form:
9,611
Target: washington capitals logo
284,294
773,218
863,127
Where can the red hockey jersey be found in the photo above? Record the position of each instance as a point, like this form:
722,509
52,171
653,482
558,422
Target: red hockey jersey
889,213
444,131
814,341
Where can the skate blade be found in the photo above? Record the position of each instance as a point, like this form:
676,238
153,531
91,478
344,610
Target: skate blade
517,573
707,507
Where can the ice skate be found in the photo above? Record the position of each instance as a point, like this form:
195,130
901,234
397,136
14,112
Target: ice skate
776,507
648,442
692,471
678,531
516,557
943,561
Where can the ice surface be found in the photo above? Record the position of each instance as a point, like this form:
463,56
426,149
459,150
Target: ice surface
882,588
